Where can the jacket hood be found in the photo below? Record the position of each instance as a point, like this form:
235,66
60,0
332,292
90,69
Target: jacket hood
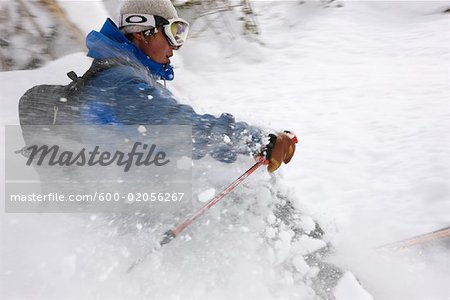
110,43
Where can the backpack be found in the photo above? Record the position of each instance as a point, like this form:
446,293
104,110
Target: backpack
56,104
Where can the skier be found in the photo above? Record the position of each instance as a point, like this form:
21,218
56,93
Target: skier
131,58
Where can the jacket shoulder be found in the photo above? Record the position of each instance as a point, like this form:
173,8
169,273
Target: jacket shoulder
122,74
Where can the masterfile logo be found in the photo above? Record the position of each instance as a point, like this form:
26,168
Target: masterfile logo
118,168
145,157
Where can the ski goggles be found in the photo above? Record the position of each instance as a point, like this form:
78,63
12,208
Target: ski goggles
176,30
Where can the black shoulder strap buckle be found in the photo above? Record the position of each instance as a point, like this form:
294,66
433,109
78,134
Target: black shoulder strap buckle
76,81
96,67
72,75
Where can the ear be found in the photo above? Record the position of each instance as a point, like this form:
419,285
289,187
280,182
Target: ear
137,36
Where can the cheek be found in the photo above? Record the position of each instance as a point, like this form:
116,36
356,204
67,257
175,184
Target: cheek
154,49
164,45
157,46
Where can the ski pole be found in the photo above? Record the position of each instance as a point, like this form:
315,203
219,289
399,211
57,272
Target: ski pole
173,233
443,233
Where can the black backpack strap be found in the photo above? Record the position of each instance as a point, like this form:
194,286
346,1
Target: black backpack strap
74,89
96,67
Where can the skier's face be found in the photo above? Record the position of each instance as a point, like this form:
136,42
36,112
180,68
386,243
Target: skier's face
155,46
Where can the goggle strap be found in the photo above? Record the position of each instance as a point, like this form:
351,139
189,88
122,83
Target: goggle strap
142,20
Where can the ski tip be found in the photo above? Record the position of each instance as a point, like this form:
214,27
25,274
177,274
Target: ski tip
168,236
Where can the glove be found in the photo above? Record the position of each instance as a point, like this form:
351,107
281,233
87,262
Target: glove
281,148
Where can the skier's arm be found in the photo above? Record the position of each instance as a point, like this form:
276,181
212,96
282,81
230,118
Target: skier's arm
221,137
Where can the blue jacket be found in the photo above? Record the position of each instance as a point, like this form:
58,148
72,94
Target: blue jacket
128,94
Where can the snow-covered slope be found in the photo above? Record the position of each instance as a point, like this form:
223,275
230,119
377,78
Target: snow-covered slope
365,87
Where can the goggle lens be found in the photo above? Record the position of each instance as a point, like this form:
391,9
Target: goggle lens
178,32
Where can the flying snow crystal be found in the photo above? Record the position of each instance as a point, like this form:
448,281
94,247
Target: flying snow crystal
349,288
184,163
310,245
139,226
142,129
307,223
270,232
150,97
283,246
271,218
300,265
206,195
226,139
313,272
62,99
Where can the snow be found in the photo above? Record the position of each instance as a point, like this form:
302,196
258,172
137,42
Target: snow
283,246
307,223
300,265
142,129
366,89
349,289
309,245
68,266
54,73
206,195
271,218
184,163
270,232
